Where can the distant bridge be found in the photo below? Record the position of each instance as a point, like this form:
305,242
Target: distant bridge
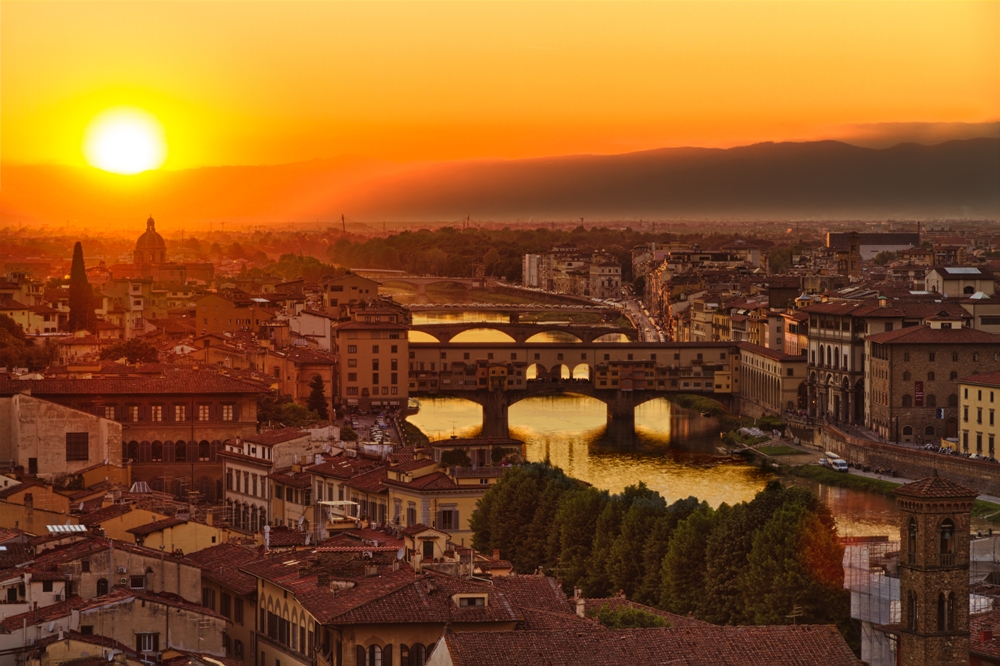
418,282
622,375
520,333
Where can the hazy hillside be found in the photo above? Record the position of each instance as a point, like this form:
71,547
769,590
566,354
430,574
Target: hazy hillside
822,179
826,179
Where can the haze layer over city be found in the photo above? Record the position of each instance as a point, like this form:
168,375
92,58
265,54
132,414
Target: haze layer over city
405,333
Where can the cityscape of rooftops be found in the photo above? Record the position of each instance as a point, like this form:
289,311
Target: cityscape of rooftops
499,333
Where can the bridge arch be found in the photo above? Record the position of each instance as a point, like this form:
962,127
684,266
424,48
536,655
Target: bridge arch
413,335
554,335
613,337
536,371
482,334
581,371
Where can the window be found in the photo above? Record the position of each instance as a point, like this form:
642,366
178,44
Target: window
208,598
979,415
87,629
137,582
930,376
352,349
906,376
85,566
930,357
147,642
228,411
931,400
954,356
77,446
907,400
279,492
203,412
906,356
238,611
352,376
133,413
46,586
907,431
929,430
953,376
352,363
965,413
911,610
953,400
180,412
109,412
471,601
946,611
156,413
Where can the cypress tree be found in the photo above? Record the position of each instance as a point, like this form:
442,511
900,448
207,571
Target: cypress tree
81,297
317,398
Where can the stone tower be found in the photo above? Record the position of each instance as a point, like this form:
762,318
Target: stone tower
934,573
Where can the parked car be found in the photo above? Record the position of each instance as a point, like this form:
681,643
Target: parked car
839,465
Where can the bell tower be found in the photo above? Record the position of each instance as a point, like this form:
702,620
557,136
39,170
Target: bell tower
934,572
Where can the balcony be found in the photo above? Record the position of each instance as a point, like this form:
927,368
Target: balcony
946,559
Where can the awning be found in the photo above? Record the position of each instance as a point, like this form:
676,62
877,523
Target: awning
352,401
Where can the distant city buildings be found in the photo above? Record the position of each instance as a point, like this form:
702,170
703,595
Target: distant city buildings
564,270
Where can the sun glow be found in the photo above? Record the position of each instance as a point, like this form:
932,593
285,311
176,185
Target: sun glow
126,141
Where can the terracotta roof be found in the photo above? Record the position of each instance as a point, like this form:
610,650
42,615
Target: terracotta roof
535,592
986,379
978,622
342,467
220,564
178,381
290,478
432,481
272,437
539,619
43,614
413,463
429,600
414,530
283,537
370,482
156,526
935,487
803,645
107,513
924,335
15,554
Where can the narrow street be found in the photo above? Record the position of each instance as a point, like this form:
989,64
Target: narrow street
644,324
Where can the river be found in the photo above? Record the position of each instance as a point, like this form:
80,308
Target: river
563,429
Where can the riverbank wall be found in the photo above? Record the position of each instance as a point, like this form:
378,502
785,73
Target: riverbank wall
907,462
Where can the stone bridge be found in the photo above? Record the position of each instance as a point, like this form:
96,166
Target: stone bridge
522,333
420,282
622,375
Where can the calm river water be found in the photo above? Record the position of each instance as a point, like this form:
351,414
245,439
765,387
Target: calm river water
562,429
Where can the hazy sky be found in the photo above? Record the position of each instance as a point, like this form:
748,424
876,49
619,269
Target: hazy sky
270,82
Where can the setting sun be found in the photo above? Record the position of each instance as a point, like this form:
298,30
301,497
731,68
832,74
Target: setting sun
125,141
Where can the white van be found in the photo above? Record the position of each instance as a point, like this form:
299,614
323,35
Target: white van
838,465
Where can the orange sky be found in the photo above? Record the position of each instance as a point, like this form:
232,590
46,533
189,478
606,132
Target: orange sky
272,82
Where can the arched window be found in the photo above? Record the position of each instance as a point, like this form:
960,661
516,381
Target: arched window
157,451
133,451
102,586
929,430
969,290
908,431
931,400
374,655
145,452
168,452
930,376
180,451
911,537
906,376
418,655
954,375
362,656
953,400
946,543
911,610
204,451
192,451
907,400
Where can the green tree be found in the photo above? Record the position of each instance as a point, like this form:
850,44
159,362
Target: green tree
647,590
135,350
81,297
274,408
683,570
348,435
628,617
625,564
456,458
490,260
317,398
572,533
884,257
796,560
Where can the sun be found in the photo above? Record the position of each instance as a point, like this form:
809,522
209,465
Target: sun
125,140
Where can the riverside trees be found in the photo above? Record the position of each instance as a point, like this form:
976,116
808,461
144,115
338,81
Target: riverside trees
745,564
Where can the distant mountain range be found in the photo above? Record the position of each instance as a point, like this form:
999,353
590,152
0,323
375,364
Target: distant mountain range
824,180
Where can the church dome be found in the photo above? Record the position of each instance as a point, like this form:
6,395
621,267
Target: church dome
150,240
150,248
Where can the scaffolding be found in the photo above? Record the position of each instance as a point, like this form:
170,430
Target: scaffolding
871,577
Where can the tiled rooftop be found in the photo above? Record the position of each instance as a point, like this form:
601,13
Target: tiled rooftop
934,487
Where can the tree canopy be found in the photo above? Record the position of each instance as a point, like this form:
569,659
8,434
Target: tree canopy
317,401
134,351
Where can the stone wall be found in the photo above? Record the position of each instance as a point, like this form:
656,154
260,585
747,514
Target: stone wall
910,463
